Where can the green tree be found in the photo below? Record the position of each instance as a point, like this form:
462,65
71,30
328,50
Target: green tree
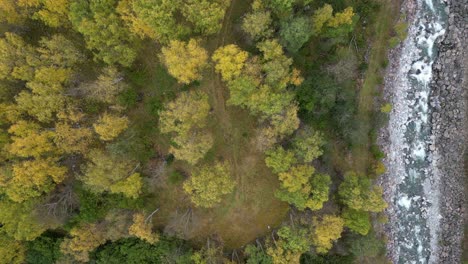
257,24
357,221
325,231
358,193
103,30
295,32
209,184
156,19
44,249
368,246
307,144
42,107
280,160
281,8
206,15
256,255
185,61
289,246
19,221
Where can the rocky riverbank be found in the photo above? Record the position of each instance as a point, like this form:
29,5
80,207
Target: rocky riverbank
449,133
444,184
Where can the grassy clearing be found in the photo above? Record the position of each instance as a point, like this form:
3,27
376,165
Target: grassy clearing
252,208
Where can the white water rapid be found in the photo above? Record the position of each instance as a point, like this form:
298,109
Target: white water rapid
409,159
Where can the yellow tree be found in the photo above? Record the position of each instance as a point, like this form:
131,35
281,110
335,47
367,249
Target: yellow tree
342,18
209,184
321,17
325,231
230,61
185,60
33,178
16,58
41,106
190,109
107,87
83,239
12,251
104,170
109,126
192,147
143,230
72,139
129,187
29,141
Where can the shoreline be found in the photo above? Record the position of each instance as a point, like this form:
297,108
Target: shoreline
448,136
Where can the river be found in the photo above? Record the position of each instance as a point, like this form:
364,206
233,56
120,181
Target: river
415,202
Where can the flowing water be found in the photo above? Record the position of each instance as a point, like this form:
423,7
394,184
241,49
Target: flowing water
416,195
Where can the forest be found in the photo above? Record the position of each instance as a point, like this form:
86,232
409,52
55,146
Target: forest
193,131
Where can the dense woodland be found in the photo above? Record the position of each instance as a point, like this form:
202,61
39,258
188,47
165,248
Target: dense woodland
192,131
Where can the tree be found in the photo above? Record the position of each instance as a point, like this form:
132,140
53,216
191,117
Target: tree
103,171
206,15
29,141
257,24
229,60
295,32
193,147
280,160
109,126
209,184
342,18
275,64
42,107
357,221
12,251
321,17
368,246
32,178
58,51
44,249
188,110
185,60
307,144
143,230
129,187
136,251
72,139
52,12
358,193
11,13
107,87
325,231
18,220
303,189
103,30
83,239
155,19
281,8
256,255
16,58
289,247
